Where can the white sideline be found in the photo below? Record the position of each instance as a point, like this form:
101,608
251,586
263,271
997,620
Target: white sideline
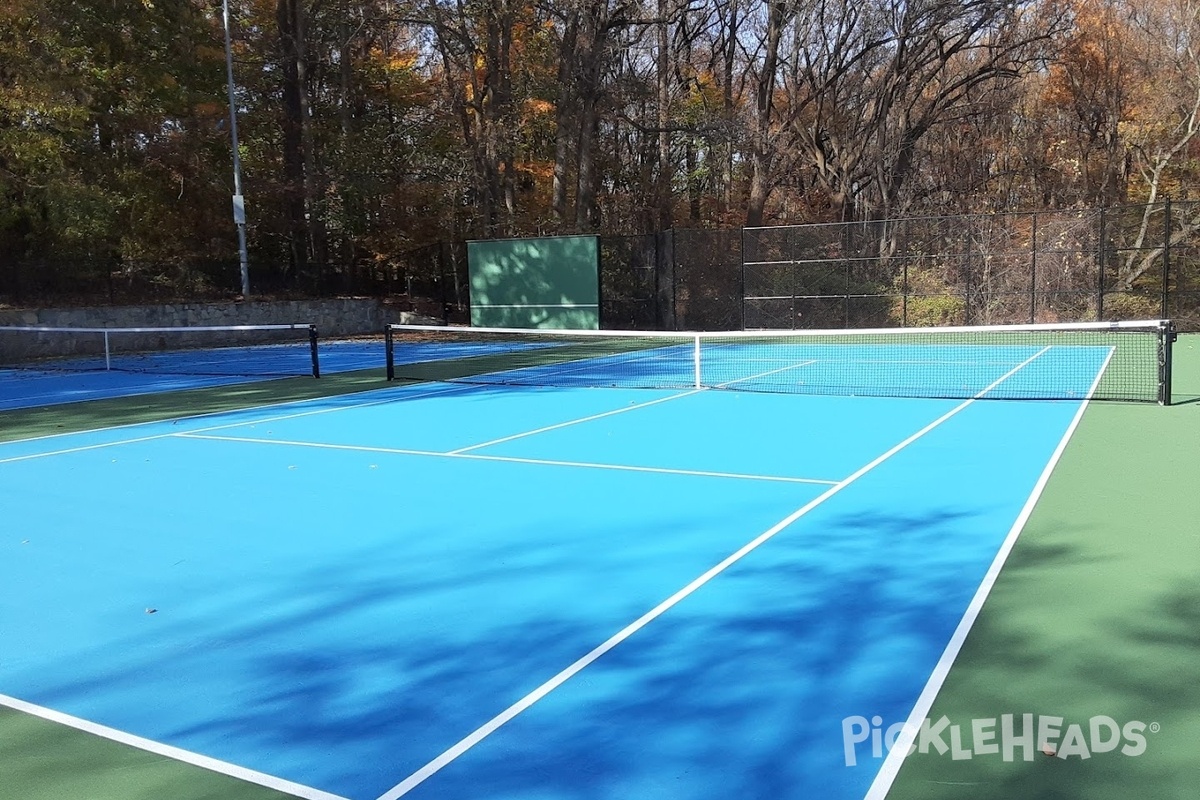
395,396
899,752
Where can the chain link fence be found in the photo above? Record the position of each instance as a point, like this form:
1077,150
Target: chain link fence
1054,266
431,280
1137,262
681,279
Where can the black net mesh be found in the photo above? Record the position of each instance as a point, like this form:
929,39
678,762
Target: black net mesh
1001,362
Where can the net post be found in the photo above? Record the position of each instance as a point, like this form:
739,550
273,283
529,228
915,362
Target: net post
312,348
389,346
696,359
107,354
1166,338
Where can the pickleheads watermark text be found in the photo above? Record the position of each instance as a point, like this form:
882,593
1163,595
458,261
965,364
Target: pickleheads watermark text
1008,737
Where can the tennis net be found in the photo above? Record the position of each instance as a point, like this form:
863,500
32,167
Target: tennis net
218,350
1112,361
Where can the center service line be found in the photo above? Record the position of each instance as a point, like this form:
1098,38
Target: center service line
568,423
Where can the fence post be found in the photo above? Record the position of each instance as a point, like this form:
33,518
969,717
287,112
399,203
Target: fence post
443,282
904,256
1100,260
1033,270
1166,269
742,277
674,281
846,299
967,283
793,280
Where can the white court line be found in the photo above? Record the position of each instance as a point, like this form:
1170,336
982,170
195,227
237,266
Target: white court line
507,715
658,470
583,362
509,459
99,445
587,362
201,416
568,423
768,372
899,752
158,748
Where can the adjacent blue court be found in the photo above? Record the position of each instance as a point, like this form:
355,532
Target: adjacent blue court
448,591
75,380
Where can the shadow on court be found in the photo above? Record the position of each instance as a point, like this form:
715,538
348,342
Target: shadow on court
745,681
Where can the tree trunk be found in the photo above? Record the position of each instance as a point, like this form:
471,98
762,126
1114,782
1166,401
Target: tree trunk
727,102
592,43
586,211
314,201
566,118
293,153
761,155
662,193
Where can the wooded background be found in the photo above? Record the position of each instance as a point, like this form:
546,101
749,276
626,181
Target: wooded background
375,129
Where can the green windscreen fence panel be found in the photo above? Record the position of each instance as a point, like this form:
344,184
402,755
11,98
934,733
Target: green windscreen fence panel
551,282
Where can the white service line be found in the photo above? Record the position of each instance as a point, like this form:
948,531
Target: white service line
508,714
568,423
396,396
768,372
509,459
899,752
166,750
582,363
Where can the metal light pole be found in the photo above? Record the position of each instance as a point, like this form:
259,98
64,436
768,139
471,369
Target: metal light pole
239,202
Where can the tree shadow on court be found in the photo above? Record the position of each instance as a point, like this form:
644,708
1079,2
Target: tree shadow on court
387,700
743,685
319,671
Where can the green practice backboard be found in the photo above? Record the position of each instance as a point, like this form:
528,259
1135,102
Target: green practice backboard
551,282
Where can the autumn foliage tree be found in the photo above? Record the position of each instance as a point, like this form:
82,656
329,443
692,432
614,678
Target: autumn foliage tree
373,128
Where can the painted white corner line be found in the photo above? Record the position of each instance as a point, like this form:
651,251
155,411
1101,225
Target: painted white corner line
400,451
158,748
568,423
507,715
899,752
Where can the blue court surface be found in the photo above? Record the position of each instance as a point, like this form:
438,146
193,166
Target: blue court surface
443,591
74,380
